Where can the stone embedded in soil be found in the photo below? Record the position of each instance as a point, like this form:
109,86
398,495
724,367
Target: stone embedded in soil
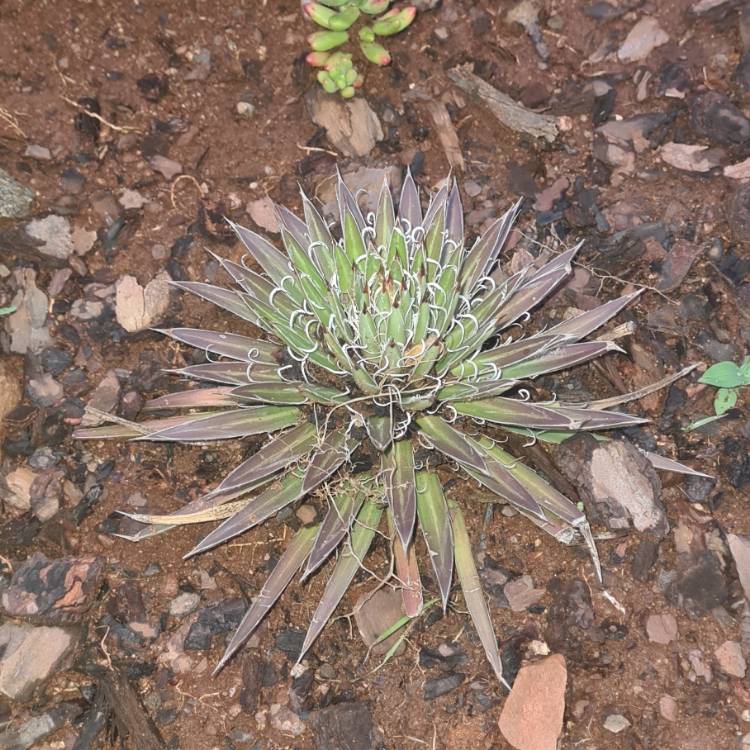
677,264
184,604
263,213
532,715
739,171
739,214
730,659
437,686
15,198
617,480
661,628
286,721
374,613
137,307
54,232
521,594
53,590
104,398
668,707
168,168
616,723
714,117
698,667
352,126
690,157
218,619
46,493
739,546
30,655
27,326
642,40
131,199
44,390
33,730
18,493
348,726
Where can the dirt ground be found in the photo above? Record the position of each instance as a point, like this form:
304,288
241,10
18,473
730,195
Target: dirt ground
167,78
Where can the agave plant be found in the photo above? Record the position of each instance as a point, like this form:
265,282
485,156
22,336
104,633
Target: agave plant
338,73
379,349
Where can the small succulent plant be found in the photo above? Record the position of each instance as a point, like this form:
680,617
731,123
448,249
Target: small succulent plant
382,347
337,17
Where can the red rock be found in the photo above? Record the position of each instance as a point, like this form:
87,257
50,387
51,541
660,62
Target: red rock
532,716
661,628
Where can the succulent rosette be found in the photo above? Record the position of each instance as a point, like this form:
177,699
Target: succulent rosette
384,357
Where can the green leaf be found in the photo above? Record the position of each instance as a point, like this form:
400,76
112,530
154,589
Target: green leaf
7,310
702,422
724,400
472,589
723,375
745,370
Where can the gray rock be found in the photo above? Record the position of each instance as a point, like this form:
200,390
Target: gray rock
730,658
104,397
44,390
137,307
616,723
38,727
348,726
690,157
30,656
169,168
352,126
739,214
642,40
739,546
184,604
17,492
437,686
714,117
54,233
617,481
35,151
15,198
27,326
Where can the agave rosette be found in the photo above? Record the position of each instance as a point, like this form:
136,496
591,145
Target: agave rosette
379,344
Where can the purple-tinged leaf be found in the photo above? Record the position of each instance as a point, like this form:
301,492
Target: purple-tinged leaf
349,562
273,262
283,451
472,590
407,570
409,207
669,464
451,442
552,416
289,393
123,428
231,373
293,225
332,451
398,465
436,528
454,217
232,345
563,358
344,505
286,568
487,248
348,204
380,431
251,420
475,389
226,299
582,325
194,398
275,497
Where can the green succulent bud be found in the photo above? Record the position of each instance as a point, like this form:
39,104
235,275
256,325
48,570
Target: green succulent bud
325,80
366,34
318,59
343,20
322,41
375,53
374,7
335,3
347,92
319,14
394,21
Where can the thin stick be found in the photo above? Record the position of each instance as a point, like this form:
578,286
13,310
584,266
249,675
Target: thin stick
118,128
